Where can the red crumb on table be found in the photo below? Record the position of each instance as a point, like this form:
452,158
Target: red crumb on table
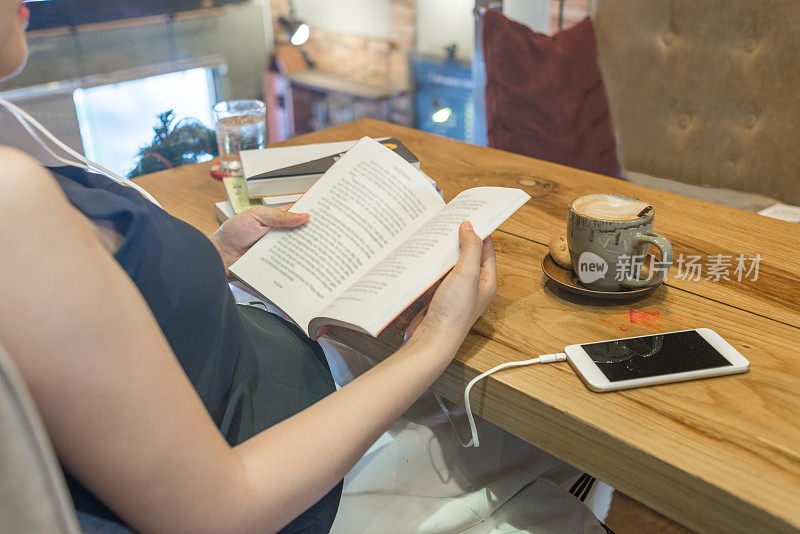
650,319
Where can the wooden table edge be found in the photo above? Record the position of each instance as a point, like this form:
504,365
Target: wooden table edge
724,510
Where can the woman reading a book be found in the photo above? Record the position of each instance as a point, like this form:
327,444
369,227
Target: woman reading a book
171,408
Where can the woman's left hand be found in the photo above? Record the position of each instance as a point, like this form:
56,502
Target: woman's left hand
452,307
241,231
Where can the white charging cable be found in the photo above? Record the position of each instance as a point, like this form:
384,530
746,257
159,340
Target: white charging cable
475,442
31,125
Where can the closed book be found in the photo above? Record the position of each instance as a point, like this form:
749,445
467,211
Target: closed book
298,177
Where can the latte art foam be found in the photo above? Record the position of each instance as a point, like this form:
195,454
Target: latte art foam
609,207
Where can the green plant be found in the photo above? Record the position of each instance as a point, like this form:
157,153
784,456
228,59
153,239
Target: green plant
187,142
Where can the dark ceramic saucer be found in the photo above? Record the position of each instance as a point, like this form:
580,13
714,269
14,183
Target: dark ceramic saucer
566,280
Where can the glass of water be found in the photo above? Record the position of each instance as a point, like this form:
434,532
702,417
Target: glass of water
241,125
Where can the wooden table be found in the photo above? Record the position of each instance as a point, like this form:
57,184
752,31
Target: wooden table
718,455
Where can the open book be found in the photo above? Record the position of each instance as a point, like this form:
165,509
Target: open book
378,237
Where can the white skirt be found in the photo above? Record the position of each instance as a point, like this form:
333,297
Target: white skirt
417,478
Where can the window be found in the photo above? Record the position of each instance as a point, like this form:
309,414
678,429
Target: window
117,119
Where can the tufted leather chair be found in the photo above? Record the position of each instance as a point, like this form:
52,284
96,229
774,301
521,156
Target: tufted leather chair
33,496
705,93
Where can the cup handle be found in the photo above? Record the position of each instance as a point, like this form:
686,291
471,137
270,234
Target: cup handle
664,247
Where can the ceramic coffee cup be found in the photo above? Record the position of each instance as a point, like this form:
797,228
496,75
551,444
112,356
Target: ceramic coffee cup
608,237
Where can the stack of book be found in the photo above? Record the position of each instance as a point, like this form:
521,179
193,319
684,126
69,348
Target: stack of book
279,176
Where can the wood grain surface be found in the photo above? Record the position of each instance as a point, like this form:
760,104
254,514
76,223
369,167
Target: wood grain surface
717,455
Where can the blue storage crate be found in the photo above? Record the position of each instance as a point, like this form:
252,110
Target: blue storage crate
441,85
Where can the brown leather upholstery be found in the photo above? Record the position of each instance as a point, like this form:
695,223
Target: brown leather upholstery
33,496
706,93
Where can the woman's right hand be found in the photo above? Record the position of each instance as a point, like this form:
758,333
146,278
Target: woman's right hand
463,294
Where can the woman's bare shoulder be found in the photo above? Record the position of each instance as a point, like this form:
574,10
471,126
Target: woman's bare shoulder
17,160
26,184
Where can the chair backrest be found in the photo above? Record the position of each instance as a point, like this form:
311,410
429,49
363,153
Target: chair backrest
706,93
33,495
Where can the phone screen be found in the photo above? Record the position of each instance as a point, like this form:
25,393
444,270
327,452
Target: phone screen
663,354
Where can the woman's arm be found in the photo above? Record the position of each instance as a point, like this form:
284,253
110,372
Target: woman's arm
125,419
328,438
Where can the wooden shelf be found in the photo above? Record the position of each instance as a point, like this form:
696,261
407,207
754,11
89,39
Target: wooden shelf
331,83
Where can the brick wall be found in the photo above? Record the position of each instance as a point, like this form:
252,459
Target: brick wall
574,11
375,61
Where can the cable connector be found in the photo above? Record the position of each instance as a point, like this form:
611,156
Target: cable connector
475,442
552,358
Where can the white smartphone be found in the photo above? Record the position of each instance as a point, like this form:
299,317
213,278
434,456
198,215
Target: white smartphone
647,360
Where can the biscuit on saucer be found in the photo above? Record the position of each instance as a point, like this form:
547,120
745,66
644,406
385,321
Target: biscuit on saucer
560,253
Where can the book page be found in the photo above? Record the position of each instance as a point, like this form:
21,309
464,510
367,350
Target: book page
376,298
362,208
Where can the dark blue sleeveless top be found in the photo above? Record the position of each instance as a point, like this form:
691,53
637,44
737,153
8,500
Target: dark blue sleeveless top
251,368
